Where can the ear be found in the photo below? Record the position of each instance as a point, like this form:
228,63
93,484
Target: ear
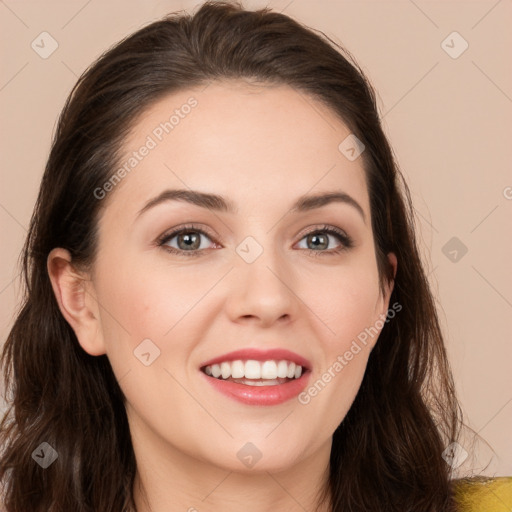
389,285
394,265
75,295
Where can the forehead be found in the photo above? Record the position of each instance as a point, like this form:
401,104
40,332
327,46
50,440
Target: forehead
248,142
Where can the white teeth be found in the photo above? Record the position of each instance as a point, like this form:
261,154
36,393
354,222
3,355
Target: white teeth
257,382
269,370
237,369
225,369
291,370
216,370
251,369
282,369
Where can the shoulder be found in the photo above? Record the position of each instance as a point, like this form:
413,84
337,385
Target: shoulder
483,494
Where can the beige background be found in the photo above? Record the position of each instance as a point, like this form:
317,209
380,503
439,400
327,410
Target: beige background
448,119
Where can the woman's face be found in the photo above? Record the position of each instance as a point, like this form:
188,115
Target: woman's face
254,280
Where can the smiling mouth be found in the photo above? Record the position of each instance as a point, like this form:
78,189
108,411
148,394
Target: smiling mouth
263,382
255,373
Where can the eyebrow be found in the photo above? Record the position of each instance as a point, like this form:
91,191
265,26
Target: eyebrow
219,203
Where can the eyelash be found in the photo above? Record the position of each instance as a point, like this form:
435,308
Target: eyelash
346,241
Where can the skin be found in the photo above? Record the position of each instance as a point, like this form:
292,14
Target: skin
261,147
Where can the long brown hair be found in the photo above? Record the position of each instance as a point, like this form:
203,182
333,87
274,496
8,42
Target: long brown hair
387,452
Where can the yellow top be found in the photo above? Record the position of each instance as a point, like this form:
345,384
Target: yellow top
484,494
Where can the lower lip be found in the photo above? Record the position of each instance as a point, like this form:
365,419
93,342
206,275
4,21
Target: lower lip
260,395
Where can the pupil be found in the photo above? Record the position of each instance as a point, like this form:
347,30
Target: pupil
317,237
187,237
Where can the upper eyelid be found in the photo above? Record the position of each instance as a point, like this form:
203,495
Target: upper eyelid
171,233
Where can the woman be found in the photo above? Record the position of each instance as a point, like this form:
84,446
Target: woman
226,307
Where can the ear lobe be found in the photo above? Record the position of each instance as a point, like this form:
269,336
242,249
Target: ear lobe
73,292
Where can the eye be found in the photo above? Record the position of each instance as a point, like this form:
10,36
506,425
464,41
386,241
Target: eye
320,238
188,241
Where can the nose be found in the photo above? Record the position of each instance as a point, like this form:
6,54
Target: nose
262,291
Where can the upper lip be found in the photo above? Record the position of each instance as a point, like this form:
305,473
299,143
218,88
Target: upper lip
255,354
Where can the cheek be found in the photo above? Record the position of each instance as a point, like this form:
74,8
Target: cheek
350,325
348,308
151,299
168,305
347,304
